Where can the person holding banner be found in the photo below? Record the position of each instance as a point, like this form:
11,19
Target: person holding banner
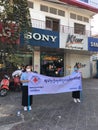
76,94
26,99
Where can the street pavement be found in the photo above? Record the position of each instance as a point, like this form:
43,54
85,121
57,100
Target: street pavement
52,112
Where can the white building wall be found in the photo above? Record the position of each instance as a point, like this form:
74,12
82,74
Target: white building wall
71,60
66,21
40,15
35,12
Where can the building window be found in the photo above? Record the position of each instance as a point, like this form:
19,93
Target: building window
79,17
79,28
73,16
44,8
53,10
61,13
85,19
30,4
48,24
52,24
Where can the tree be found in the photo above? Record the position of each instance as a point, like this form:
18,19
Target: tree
14,18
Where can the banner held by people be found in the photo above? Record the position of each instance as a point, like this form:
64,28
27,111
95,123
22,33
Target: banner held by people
40,84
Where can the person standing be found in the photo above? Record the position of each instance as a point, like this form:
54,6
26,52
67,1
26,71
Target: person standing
26,99
76,94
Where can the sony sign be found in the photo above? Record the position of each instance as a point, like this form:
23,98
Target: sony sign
38,37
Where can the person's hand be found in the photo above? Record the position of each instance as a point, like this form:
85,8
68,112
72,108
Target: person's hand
27,80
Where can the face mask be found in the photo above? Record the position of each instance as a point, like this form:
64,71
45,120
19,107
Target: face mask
75,69
28,70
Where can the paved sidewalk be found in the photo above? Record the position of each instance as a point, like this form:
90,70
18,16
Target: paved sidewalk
52,112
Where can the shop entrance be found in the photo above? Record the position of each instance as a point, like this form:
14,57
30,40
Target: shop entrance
52,65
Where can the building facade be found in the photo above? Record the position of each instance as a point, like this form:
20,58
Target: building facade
60,34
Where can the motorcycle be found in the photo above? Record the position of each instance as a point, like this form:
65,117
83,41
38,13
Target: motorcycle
4,86
17,83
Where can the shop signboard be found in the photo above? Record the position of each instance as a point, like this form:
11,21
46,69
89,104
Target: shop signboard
92,44
73,41
41,37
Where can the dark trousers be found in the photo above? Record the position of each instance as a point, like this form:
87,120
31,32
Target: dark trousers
76,94
25,97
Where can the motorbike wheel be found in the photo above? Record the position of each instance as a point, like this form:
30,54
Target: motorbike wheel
3,92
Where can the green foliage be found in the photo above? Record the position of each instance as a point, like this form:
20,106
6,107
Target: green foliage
17,12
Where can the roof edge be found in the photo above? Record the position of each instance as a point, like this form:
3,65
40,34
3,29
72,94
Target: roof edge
81,5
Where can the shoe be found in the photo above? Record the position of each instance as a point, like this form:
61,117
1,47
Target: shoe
30,108
75,100
78,100
25,108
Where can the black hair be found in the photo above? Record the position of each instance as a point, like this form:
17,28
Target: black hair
26,66
76,65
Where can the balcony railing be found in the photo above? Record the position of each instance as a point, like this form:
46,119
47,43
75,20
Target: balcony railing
38,23
63,29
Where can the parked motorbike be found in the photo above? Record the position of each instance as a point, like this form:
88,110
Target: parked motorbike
4,86
16,83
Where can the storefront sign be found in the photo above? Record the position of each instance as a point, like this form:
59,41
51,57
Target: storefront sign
40,37
92,44
74,42
72,39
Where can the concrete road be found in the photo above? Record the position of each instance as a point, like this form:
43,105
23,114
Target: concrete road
52,112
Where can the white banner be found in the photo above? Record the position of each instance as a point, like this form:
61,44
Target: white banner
40,84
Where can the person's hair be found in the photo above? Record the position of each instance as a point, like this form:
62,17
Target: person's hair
76,65
23,68
27,66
